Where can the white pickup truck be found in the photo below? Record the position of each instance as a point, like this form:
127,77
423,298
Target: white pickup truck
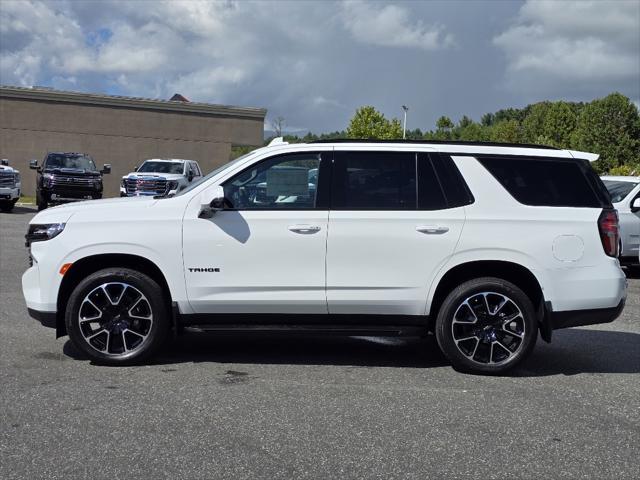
160,177
9,186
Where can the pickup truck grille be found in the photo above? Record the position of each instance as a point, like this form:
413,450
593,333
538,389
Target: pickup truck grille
70,181
146,186
7,179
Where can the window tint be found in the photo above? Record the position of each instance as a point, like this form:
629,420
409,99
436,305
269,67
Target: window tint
284,182
430,195
456,190
374,181
544,181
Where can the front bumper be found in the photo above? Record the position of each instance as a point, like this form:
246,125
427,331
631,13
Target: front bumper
7,193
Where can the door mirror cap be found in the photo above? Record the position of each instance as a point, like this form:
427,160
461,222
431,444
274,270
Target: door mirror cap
190,177
4,162
135,169
106,168
209,207
635,205
33,164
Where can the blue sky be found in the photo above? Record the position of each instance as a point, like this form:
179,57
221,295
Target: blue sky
314,63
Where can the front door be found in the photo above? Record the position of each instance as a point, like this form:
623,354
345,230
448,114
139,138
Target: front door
266,252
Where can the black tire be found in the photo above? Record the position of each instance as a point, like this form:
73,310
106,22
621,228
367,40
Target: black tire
41,202
490,343
119,327
6,206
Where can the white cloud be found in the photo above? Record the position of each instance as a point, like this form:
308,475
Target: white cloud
391,26
573,42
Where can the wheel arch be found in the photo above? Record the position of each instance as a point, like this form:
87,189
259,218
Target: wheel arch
87,265
515,273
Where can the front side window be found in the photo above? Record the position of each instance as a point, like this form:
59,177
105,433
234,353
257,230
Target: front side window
278,183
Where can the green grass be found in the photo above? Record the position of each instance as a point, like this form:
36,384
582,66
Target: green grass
27,200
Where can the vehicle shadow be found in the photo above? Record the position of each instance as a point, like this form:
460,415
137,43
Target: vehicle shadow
573,351
632,272
21,210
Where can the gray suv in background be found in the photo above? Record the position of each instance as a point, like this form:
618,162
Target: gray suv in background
160,177
625,197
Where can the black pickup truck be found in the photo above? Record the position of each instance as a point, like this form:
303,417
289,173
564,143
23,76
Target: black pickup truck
67,177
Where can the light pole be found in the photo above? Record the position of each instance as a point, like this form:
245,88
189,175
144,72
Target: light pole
405,109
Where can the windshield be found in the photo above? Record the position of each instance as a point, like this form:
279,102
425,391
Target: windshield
619,190
162,167
195,183
81,162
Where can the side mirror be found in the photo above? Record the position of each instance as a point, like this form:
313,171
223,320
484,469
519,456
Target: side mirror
135,169
635,205
33,164
4,162
106,168
190,177
216,204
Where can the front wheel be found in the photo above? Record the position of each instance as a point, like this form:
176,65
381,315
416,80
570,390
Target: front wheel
486,325
6,206
117,316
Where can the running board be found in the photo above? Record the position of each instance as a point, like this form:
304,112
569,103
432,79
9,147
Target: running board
342,330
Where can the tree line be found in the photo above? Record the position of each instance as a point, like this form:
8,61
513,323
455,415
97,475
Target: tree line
609,126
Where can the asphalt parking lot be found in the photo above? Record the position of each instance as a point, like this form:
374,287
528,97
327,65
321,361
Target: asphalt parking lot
266,407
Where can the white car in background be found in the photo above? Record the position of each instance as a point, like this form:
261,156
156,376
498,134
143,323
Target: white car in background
625,197
160,177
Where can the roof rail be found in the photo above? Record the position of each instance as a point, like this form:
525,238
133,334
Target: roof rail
437,142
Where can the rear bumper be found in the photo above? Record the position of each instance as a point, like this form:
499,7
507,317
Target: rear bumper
47,319
578,318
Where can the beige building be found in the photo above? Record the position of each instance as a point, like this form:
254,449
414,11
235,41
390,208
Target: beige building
122,131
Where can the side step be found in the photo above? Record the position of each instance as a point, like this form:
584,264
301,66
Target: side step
342,330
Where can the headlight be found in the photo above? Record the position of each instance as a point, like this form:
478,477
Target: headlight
173,184
97,183
46,179
123,183
45,231
17,177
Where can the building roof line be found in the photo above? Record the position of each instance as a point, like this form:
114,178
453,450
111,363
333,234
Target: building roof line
98,99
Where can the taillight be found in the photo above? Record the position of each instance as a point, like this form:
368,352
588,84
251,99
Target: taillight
609,232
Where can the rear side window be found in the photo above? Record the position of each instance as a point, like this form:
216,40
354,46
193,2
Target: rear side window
552,182
374,181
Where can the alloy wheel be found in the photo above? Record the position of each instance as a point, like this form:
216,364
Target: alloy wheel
488,328
115,319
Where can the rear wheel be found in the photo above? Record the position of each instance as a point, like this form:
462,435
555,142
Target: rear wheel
117,316
486,325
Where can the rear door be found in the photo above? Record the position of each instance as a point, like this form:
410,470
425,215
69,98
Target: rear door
391,228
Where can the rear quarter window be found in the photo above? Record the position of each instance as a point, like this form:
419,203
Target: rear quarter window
551,182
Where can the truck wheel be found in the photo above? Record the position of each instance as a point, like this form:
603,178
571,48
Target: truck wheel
486,325
6,206
41,202
117,316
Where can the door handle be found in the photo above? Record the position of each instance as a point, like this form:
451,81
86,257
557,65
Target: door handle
304,228
432,229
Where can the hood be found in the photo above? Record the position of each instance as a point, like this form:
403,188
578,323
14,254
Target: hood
62,213
166,176
5,168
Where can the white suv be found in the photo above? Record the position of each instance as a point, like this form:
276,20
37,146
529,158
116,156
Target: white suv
486,245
